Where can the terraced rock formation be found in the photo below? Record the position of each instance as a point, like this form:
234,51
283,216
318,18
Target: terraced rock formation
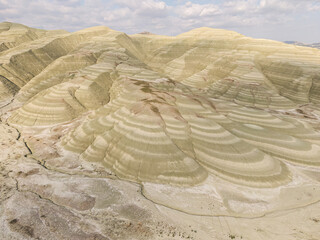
206,124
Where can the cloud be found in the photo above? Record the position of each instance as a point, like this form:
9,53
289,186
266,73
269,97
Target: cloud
145,8
193,10
164,16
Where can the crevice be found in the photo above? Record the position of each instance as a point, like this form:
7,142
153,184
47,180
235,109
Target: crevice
26,145
38,195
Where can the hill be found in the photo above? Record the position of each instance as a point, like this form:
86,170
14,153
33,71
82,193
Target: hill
121,135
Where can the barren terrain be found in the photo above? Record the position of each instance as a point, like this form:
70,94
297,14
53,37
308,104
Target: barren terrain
205,135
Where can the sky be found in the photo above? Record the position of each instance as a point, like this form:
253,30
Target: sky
282,20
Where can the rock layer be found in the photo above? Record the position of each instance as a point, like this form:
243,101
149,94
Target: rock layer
205,135
152,102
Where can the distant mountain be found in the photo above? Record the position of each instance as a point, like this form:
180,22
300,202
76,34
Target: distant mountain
313,45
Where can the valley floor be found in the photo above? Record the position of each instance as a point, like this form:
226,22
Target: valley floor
39,203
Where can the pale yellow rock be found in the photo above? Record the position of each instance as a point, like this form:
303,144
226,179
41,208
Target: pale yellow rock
154,102
206,135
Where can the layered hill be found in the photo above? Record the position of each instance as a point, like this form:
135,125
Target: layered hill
205,106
